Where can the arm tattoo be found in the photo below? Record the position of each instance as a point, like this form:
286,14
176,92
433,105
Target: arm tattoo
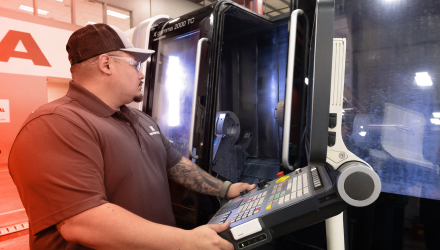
188,174
59,225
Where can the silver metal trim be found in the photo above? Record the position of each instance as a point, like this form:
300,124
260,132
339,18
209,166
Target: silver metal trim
196,85
289,87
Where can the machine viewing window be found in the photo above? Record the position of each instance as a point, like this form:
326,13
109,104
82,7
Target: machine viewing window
251,86
174,88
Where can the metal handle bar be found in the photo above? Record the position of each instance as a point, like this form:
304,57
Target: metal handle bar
196,85
289,88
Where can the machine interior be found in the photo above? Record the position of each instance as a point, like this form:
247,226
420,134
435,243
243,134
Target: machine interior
251,83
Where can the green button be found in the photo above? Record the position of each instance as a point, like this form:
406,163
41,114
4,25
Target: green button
277,196
284,192
242,204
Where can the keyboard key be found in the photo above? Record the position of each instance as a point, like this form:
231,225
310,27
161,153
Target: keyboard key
287,198
305,180
293,195
259,196
281,201
306,190
264,194
299,193
239,210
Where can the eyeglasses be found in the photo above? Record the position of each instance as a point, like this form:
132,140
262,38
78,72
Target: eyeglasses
129,60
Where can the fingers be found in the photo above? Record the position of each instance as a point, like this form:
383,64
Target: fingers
218,228
226,245
247,186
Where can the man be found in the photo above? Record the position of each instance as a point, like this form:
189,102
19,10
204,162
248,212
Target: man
90,172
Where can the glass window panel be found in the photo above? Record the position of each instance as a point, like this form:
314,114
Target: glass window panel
173,89
392,91
118,17
88,12
58,10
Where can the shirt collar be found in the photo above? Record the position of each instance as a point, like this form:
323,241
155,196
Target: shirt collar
89,100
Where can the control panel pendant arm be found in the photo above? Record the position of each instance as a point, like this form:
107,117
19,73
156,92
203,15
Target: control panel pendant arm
194,101
289,88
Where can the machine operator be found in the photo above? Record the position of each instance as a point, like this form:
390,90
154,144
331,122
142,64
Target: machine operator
93,172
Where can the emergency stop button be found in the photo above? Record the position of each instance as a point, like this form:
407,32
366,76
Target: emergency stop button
280,174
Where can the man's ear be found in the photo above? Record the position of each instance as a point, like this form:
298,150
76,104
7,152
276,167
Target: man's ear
104,64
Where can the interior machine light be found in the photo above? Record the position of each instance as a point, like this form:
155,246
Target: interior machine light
436,114
362,133
174,75
306,81
90,23
30,9
435,121
423,79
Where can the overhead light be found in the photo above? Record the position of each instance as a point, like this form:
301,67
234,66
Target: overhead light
30,9
423,79
59,0
90,23
306,81
436,114
117,14
362,133
435,121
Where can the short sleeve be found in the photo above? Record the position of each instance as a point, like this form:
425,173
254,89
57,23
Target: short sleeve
173,157
58,168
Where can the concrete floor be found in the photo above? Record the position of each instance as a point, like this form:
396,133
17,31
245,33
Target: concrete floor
11,211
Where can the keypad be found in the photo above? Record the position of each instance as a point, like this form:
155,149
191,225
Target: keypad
249,207
281,193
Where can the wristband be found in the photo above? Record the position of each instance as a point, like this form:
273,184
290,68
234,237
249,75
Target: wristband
225,188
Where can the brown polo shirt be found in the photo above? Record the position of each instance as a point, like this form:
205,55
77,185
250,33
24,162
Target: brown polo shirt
77,153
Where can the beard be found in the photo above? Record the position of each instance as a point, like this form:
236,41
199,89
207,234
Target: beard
139,97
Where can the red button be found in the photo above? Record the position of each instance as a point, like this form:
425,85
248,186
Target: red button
257,209
280,174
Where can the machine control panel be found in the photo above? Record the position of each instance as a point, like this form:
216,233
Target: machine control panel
246,213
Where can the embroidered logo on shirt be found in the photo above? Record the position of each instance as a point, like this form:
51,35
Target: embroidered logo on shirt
154,131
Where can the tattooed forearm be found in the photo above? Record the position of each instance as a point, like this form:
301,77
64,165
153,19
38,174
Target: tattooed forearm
188,174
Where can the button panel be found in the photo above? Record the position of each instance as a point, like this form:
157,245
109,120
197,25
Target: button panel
280,194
